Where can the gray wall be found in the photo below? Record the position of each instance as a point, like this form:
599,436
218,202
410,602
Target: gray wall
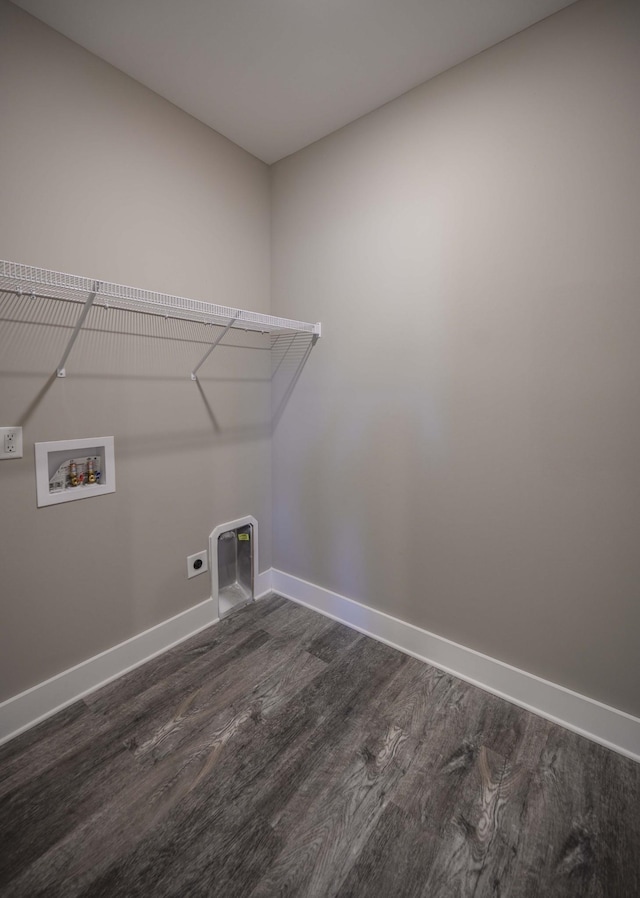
463,449
101,177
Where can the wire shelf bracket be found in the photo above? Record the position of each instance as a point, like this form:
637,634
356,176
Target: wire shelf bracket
213,346
19,280
61,370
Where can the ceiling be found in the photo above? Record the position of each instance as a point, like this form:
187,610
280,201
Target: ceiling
276,75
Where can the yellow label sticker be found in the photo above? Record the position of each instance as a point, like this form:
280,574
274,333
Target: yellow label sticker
243,536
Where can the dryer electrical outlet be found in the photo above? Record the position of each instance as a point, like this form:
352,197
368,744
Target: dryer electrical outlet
197,564
10,442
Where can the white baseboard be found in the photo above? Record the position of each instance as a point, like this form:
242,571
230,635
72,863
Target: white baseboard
25,710
262,585
36,704
609,727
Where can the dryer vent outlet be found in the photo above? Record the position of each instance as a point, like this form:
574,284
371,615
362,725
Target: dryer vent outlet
234,560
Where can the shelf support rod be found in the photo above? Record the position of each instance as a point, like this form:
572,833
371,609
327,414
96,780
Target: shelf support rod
213,346
61,372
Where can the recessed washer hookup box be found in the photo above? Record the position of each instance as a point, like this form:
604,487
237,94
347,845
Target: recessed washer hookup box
74,469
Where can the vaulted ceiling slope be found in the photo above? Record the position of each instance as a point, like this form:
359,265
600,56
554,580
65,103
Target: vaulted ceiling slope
276,75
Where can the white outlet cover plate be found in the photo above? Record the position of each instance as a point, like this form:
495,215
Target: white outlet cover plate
16,452
204,558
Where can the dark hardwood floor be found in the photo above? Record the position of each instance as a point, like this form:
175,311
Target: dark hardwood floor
279,753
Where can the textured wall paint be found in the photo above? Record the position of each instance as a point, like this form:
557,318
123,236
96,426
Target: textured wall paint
463,449
101,177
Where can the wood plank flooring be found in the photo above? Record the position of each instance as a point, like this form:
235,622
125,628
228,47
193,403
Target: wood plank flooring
281,754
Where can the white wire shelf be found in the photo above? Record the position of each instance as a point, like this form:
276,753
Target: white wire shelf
25,280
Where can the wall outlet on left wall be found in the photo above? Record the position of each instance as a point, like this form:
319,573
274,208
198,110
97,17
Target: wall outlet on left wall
197,564
10,442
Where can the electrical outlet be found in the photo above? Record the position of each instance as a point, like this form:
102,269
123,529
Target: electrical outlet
10,442
197,564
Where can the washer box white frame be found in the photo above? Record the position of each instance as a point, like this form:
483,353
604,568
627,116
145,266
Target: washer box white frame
102,446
